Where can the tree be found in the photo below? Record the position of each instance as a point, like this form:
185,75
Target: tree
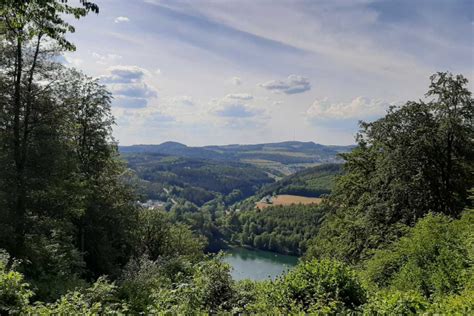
157,236
26,26
67,211
419,158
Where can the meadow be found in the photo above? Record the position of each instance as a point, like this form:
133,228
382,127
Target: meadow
287,199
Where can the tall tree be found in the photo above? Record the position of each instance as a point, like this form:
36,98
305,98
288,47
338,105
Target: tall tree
26,24
66,210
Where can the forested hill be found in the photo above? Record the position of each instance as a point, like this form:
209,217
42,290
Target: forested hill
280,158
201,174
194,180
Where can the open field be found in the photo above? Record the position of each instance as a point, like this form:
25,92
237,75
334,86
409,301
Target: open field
286,199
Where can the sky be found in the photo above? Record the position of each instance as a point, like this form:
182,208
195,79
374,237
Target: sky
254,71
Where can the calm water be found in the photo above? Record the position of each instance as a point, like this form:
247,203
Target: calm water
257,264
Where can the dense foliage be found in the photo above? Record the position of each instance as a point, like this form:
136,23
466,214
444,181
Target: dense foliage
64,210
433,259
428,270
197,180
67,216
283,229
419,158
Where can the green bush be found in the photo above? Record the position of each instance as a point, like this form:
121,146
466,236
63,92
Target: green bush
413,303
263,297
433,259
98,299
138,281
158,236
320,287
210,289
396,303
14,292
462,304
323,286
311,287
246,292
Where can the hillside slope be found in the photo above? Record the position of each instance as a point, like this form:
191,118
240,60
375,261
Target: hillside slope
195,180
309,182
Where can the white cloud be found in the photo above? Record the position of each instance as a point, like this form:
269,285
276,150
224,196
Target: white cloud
104,59
132,90
239,96
339,32
293,84
75,62
212,48
236,110
143,117
129,102
124,74
156,118
235,106
182,101
121,19
128,86
236,81
358,108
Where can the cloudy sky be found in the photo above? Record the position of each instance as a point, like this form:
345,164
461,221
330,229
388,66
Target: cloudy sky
220,72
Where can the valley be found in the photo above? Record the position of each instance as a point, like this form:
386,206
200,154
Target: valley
231,173
233,202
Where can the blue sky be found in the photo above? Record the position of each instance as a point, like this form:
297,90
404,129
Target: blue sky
220,72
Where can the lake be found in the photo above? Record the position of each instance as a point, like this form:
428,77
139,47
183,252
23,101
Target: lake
257,264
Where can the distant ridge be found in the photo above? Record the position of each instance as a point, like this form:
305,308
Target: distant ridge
173,149
171,146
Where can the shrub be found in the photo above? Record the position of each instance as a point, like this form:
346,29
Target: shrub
263,297
433,259
462,304
139,279
98,299
210,289
395,303
322,286
14,292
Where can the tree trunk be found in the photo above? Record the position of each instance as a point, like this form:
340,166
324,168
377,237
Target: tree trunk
20,192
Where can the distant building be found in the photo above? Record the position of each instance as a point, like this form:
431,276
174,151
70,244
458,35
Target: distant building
267,199
152,204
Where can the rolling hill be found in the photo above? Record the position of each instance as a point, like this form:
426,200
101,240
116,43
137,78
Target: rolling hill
279,159
175,172
192,179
